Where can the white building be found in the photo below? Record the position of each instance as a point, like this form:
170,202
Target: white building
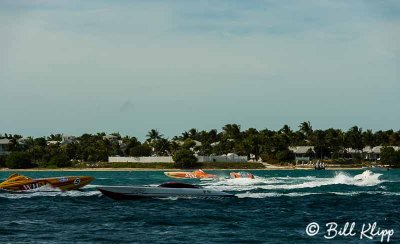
374,153
5,146
67,139
302,153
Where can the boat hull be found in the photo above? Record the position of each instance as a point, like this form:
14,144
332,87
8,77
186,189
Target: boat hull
139,192
62,183
190,175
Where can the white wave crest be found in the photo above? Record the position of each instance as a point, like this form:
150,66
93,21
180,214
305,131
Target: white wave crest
90,186
301,194
367,178
53,193
272,194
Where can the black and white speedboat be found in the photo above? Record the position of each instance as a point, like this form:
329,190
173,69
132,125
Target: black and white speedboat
170,189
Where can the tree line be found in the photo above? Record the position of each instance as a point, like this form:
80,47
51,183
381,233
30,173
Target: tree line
269,145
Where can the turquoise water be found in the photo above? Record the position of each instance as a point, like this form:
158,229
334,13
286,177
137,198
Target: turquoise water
276,207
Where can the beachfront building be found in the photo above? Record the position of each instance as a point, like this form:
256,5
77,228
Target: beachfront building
67,139
367,153
53,142
351,153
303,154
374,153
23,141
230,157
111,138
214,144
194,144
5,146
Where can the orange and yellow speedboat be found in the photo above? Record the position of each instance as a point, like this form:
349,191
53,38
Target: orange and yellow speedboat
198,174
17,182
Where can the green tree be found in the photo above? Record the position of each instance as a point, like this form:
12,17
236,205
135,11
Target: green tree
394,139
381,138
41,141
193,134
334,141
306,129
354,138
60,160
184,158
285,156
140,150
54,137
36,153
19,160
3,160
319,140
368,138
153,134
390,156
286,130
188,144
231,131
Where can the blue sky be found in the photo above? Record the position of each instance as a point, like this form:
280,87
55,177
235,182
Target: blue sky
129,66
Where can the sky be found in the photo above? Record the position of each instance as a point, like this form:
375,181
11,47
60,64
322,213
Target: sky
77,67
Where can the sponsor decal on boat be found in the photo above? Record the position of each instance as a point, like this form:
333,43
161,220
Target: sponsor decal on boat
32,186
63,179
77,181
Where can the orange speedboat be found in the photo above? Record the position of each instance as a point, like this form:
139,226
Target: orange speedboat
235,175
198,174
17,182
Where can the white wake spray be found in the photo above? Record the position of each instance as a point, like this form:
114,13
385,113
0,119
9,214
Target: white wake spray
367,178
47,191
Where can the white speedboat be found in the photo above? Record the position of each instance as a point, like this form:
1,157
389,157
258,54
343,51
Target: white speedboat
170,189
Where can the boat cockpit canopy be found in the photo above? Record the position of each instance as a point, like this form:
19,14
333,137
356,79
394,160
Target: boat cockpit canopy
177,185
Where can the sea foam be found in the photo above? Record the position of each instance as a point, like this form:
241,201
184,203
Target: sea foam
367,178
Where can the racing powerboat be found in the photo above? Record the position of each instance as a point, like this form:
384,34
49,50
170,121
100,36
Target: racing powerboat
17,182
198,174
235,175
169,189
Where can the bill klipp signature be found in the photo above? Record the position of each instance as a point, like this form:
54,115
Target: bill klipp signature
369,231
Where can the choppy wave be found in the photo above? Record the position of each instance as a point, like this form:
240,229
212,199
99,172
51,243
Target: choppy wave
302,194
48,193
90,186
260,187
367,178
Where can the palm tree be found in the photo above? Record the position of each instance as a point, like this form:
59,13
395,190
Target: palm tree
185,135
54,137
319,141
354,138
368,138
213,135
306,128
153,134
193,133
231,131
334,141
286,130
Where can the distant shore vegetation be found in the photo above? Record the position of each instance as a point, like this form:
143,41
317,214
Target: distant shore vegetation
58,151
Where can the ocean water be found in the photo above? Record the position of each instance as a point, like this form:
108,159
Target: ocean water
275,207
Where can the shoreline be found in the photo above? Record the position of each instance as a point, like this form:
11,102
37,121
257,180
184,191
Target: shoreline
150,169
